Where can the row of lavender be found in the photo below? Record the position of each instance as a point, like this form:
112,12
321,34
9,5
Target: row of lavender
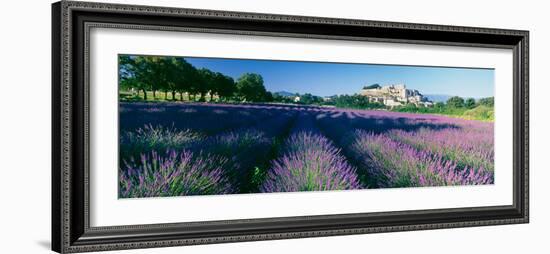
218,149
309,162
407,150
176,162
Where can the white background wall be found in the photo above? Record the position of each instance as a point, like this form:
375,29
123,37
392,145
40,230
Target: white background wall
25,126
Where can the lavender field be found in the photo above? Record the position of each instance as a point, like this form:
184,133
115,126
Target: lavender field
178,149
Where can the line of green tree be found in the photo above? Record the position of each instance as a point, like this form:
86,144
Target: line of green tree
176,76
355,101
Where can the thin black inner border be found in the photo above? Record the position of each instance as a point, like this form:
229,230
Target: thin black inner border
121,26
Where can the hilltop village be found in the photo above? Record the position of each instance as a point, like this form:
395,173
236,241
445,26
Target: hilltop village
395,95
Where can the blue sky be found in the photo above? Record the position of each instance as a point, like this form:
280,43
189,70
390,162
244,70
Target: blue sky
325,79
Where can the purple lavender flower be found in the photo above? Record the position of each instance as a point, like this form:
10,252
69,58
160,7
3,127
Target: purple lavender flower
468,147
310,163
394,164
175,174
246,149
155,138
322,151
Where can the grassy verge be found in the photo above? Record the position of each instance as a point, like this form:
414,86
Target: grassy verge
480,113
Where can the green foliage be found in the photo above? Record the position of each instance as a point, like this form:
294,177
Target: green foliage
355,101
224,86
258,176
456,106
207,83
480,112
489,102
282,99
309,99
134,73
141,74
455,102
184,76
411,108
305,99
154,73
439,105
268,97
250,87
470,103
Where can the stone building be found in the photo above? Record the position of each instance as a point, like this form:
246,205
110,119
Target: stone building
394,95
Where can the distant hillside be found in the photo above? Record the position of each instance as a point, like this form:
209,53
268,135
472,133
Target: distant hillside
438,97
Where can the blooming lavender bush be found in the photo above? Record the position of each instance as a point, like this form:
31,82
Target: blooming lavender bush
467,147
235,142
307,141
394,164
174,174
243,150
240,148
155,138
246,149
311,163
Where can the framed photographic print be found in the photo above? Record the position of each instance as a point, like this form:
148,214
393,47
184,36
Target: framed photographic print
181,126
